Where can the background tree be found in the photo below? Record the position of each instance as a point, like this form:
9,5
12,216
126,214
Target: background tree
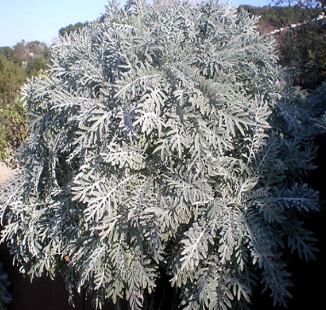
301,34
303,52
164,144
10,55
70,28
12,76
36,65
12,114
317,4
280,16
16,64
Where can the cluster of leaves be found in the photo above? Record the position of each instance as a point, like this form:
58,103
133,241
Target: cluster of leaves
163,140
12,77
16,65
12,128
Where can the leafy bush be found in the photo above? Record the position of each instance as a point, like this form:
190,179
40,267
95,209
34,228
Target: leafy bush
12,128
16,64
12,114
164,140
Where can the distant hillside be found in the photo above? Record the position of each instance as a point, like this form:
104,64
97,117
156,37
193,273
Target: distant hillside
301,38
281,16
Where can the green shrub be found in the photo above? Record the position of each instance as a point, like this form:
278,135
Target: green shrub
12,128
164,140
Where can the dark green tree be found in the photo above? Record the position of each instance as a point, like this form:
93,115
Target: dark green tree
12,113
16,64
12,76
303,52
10,54
301,37
70,28
36,65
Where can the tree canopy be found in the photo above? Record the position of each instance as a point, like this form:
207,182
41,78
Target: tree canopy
70,28
16,65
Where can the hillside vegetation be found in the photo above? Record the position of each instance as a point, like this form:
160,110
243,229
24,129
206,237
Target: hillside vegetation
301,37
17,64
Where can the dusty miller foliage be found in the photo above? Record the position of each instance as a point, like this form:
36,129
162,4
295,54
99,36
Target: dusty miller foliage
164,139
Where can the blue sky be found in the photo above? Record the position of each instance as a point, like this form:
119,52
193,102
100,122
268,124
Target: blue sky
41,19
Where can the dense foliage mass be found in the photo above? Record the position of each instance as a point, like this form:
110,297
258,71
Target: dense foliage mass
16,65
163,140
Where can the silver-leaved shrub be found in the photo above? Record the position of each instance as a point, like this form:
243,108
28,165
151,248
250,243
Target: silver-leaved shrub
164,139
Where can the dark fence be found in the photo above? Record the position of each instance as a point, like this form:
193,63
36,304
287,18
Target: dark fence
42,294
